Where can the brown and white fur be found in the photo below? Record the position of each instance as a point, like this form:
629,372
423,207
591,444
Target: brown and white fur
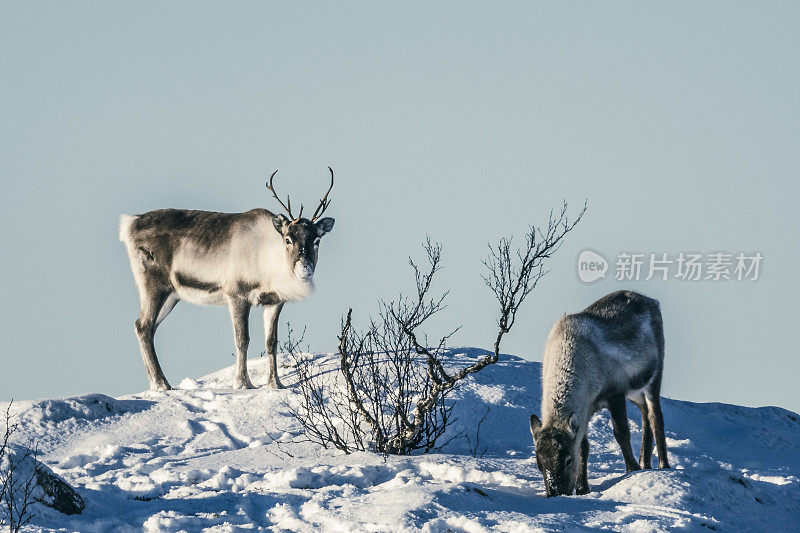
208,258
594,359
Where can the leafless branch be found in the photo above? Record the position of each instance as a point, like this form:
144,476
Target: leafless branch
395,395
17,483
513,276
473,450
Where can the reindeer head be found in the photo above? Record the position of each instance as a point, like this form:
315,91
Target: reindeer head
300,235
557,455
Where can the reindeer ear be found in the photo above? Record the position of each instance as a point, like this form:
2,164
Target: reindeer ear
536,426
280,222
572,422
324,226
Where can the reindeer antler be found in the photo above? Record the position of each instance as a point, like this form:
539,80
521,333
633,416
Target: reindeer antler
324,203
288,200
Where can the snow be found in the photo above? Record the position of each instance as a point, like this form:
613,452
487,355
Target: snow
204,456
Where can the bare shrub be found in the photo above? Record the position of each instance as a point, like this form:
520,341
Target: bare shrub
383,379
475,448
395,395
17,479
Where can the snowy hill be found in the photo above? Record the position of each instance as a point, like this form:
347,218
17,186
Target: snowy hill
206,456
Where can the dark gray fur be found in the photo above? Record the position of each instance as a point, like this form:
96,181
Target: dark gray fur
193,283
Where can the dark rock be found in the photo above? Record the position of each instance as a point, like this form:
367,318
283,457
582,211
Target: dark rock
58,494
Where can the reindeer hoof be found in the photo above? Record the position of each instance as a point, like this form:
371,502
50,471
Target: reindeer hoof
275,384
582,489
243,384
160,386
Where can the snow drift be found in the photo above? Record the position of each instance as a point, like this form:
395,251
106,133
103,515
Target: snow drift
205,456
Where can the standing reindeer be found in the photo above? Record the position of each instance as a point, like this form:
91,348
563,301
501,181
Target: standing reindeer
612,350
233,259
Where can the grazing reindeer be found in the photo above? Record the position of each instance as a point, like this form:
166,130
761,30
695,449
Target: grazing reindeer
612,350
233,259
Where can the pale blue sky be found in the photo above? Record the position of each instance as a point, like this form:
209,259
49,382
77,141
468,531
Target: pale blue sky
466,121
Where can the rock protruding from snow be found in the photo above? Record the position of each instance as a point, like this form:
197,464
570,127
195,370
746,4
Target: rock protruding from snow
58,494
50,489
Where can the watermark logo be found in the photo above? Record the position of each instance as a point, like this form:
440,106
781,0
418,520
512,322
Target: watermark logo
684,266
591,266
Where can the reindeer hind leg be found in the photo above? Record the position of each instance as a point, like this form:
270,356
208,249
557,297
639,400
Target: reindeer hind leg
652,396
646,451
152,301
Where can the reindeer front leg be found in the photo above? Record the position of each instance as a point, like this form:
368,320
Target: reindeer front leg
582,486
240,313
622,430
271,314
